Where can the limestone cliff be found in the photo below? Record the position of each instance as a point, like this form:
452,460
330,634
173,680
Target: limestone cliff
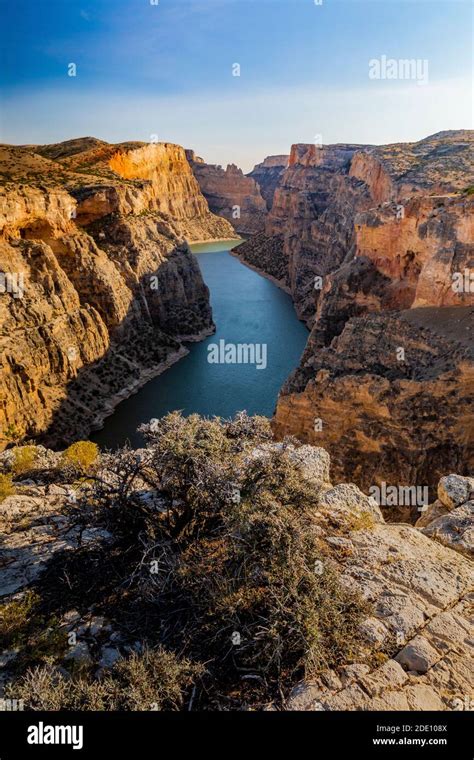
231,194
99,285
357,230
311,221
267,175
324,188
385,415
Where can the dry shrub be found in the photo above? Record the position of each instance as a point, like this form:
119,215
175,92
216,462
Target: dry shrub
15,618
241,583
250,567
24,459
152,680
80,455
6,487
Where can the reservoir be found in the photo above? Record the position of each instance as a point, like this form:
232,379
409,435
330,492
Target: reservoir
248,311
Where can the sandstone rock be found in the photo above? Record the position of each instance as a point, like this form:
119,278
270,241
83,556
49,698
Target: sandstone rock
231,194
455,529
346,497
356,230
314,462
268,175
437,509
385,420
421,697
34,529
454,490
305,697
419,589
390,675
110,289
374,631
418,655
351,673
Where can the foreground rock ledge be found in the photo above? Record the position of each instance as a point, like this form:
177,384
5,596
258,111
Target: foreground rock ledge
420,586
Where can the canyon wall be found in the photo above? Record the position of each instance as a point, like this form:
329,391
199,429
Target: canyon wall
315,204
311,223
365,238
268,175
99,287
390,397
231,194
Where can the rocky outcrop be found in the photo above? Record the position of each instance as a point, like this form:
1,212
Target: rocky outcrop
403,202
268,175
313,214
366,230
389,397
100,287
231,194
417,639
450,520
416,642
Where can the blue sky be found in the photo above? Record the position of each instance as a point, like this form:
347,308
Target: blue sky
166,70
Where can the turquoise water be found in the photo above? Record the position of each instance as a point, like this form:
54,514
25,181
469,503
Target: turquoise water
247,309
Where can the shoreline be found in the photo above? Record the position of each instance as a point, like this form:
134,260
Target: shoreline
216,240
130,390
267,276
272,279
145,376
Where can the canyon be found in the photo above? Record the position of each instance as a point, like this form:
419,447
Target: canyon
367,240
370,242
230,194
100,234
101,292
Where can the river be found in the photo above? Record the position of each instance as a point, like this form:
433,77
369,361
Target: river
250,312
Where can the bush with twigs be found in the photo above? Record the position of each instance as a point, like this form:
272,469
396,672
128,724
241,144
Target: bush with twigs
225,567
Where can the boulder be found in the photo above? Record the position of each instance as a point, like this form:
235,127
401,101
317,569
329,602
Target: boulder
418,655
346,497
454,490
455,529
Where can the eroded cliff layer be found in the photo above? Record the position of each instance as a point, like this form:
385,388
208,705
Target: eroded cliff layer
231,194
390,397
360,231
311,223
324,188
99,287
268,175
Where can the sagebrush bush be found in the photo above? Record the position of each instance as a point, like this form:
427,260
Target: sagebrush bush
223,569
151,680
6,486
24,459
15,617
235,553
80,455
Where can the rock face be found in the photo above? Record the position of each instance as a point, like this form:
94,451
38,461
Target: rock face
381,418
99,285
450,520
337,202
419,633
231,194
375,245
268,175
312,220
